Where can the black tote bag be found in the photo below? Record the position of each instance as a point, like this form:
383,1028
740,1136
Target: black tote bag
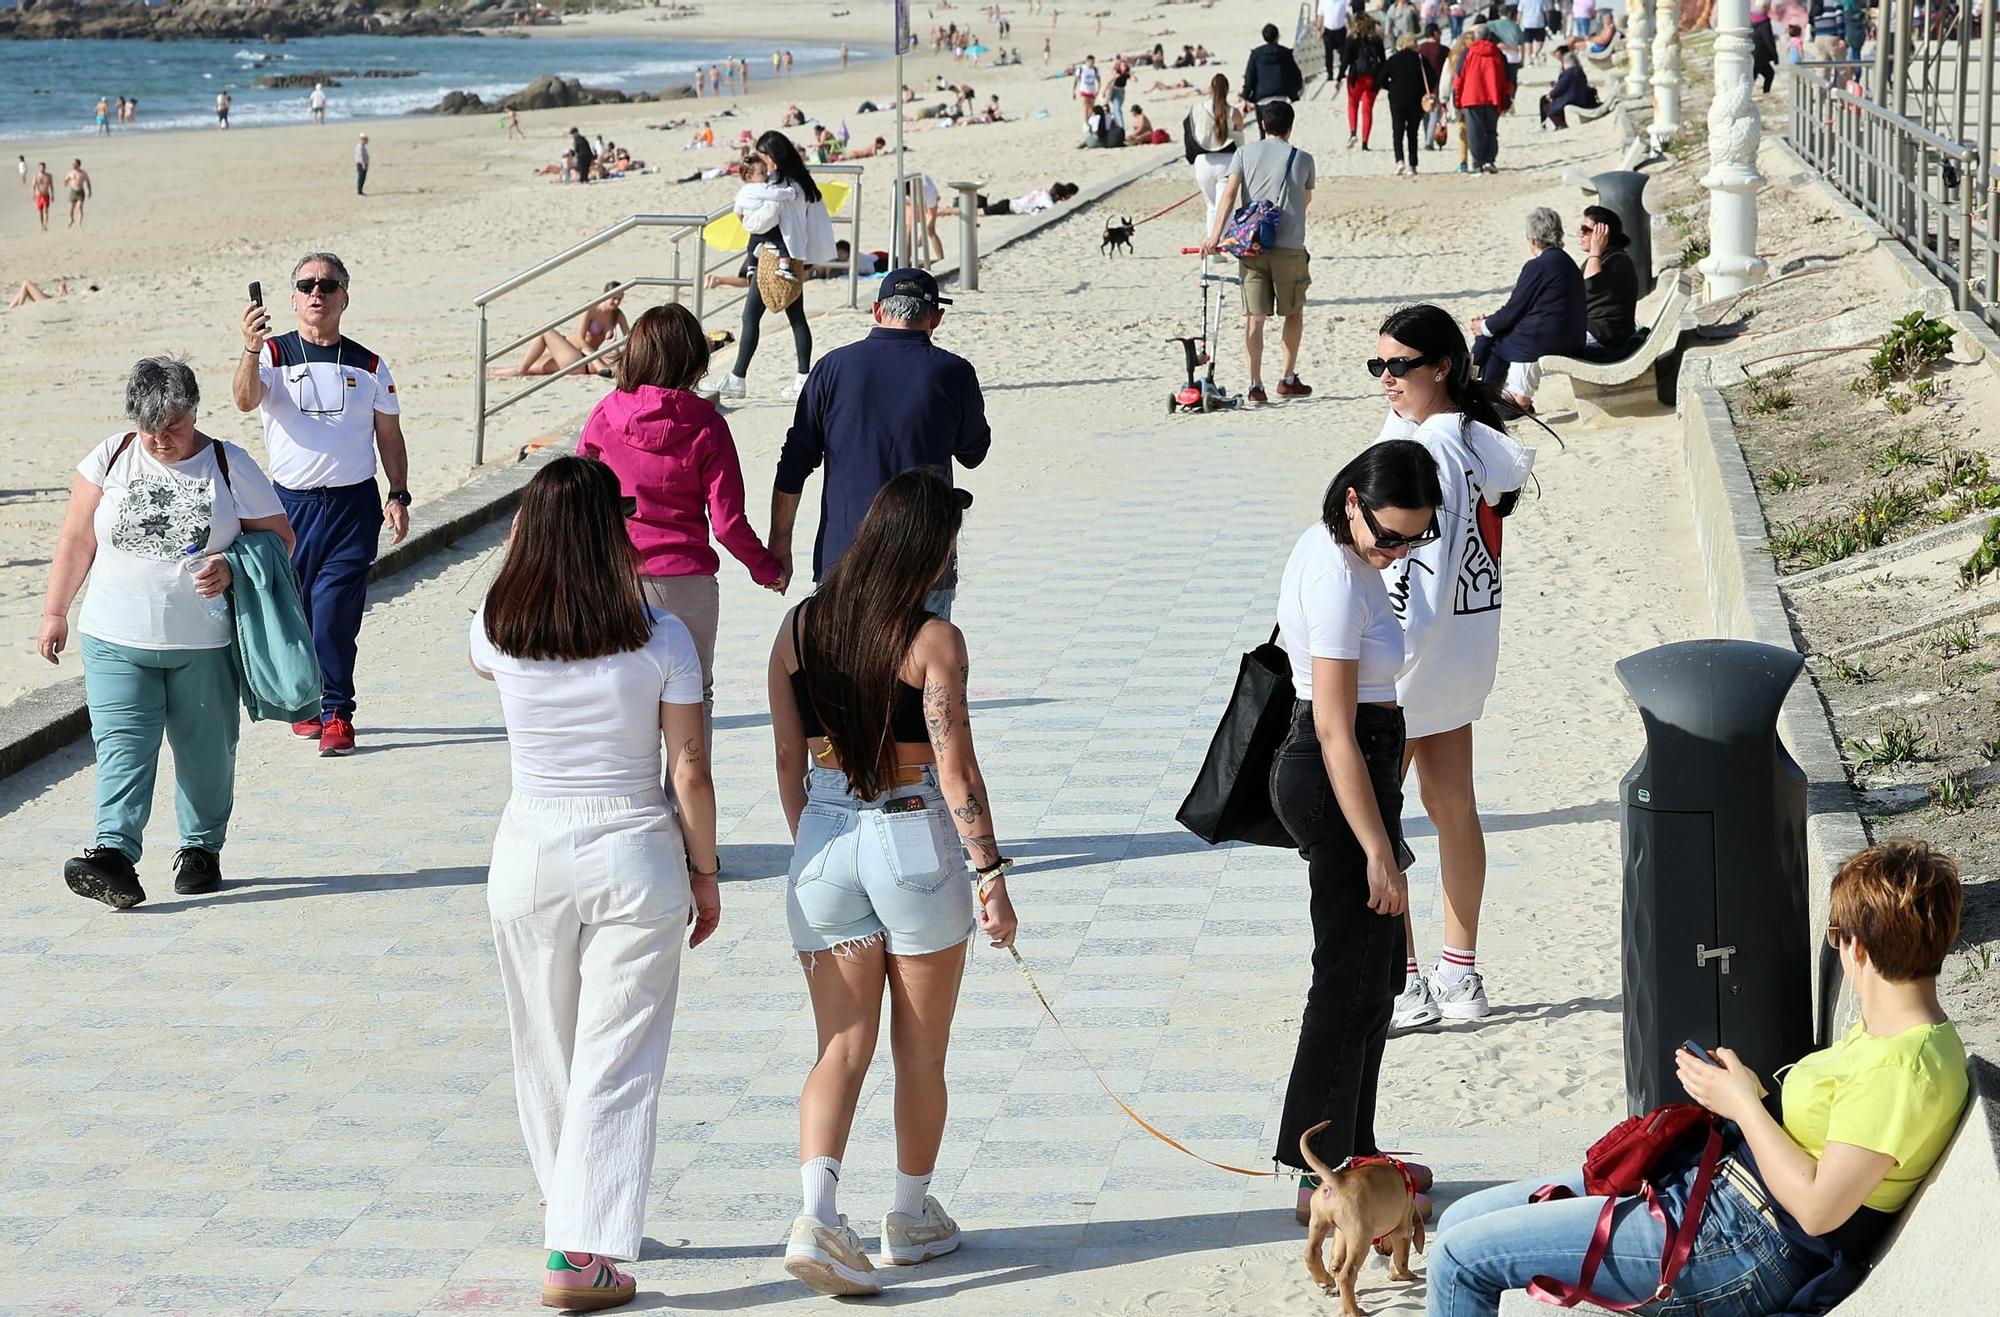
1231,796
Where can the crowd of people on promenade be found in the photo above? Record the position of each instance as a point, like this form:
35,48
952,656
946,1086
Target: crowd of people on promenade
218,587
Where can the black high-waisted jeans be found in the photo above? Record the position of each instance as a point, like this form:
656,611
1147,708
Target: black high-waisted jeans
1357,963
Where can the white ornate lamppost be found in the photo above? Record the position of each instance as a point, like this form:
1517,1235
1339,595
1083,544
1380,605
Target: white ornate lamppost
1667,81
1638,46
1732,179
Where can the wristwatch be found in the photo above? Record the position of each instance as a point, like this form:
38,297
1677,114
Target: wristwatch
400,496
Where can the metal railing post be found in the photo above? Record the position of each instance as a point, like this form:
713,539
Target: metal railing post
700,272
854,243
1986,174
479,392
968,235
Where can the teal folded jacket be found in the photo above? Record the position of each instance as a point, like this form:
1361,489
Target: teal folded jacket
277,669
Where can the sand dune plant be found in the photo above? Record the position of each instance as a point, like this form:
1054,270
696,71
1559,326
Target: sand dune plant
1899,742
1954,793
1914,342
1985,559
1784,479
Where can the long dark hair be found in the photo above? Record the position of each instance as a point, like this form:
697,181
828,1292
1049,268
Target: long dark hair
788,168
1433,333
861,620
1396,473
569,587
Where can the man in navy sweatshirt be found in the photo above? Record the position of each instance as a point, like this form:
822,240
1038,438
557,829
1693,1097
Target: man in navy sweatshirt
873,410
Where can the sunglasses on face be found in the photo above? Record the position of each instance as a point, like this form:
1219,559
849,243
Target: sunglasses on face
1397,366
324,287
1389,541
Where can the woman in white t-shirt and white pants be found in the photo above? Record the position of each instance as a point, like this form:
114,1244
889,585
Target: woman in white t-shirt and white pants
148,515
1336,787
591,890
1215,127
1447,595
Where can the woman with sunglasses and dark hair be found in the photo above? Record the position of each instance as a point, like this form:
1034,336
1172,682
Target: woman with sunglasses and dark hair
884,796
1447,596
1336,787
788,216
595,878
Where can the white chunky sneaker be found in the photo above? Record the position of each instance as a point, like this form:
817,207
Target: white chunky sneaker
722,386
912,1239
829,1258
1463,1000
1414,1006
792,390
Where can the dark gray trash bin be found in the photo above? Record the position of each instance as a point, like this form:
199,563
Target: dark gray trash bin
1716,945
1623,191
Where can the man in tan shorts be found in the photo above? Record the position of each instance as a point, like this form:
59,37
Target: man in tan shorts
1274,281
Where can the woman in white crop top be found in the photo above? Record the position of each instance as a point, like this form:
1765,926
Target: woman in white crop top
1448,597
596,874
1336,786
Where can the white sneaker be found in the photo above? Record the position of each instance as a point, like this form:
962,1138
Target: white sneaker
1401,170
1463,1000
911,1239
1415,1007
722,386
794,389
829,1258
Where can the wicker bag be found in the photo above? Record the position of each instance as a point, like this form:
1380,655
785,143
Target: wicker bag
777,290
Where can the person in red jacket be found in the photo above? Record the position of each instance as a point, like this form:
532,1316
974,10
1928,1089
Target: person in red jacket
677,467
1480,92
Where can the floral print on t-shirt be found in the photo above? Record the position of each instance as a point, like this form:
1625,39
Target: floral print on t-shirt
160,516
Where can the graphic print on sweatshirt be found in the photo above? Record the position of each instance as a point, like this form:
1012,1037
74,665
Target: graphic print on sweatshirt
161,515
1478,587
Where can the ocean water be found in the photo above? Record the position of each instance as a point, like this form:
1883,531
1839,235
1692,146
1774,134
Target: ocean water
50,88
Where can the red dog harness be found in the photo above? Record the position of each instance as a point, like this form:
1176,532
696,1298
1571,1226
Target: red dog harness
1409,1181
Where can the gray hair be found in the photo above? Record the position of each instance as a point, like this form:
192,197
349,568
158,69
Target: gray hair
1545,228
159,391
905,309
326,258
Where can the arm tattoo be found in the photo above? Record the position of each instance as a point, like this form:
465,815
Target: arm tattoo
691,748
971,811
937,715
985,850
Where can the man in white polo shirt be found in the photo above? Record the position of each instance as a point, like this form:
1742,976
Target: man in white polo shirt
328,406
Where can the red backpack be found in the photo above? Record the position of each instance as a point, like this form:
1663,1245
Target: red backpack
1623,1164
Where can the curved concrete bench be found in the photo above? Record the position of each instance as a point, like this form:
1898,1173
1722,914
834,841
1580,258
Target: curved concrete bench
1940,1260
1643,381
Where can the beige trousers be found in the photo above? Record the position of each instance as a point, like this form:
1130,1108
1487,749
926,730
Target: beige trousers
697,602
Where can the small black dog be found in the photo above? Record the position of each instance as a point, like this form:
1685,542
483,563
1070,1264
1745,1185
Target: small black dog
1118,235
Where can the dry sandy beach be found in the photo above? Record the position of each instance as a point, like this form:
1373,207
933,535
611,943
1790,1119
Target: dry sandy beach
180,222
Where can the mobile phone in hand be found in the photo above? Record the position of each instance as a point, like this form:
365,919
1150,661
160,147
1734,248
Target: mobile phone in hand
1701,1053
256,293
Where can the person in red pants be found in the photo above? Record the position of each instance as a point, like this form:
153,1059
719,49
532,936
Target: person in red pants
1365,58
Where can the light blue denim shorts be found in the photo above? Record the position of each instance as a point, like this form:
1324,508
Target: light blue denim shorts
860,871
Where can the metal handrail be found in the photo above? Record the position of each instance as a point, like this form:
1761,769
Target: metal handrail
681,228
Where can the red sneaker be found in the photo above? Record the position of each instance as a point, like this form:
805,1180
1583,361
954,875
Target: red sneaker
310,728
1294,388
1257,396
336,738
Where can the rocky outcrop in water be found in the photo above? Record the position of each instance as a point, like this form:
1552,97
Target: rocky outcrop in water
48,19
549,92
327,77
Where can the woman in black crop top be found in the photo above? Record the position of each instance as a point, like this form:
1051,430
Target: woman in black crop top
883,793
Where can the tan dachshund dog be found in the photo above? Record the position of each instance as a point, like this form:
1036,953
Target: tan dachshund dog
1360,1205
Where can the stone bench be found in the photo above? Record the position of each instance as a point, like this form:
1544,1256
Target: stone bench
1940,1260
1644,380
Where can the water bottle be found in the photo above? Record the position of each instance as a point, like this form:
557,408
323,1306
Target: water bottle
213,605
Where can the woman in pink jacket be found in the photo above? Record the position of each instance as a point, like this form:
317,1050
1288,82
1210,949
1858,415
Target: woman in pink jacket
677,467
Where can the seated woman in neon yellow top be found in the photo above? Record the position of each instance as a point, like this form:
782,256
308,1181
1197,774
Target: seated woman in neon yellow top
1801,1204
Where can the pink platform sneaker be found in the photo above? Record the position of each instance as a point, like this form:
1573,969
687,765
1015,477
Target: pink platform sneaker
585,1282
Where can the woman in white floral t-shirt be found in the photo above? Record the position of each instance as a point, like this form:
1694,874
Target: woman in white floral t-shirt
149,513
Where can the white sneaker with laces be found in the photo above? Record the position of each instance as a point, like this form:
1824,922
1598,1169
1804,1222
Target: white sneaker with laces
722,386
794,389
912,1239
1414,1006
829,1258
1463,1000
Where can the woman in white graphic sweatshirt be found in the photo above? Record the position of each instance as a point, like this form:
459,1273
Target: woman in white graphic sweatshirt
1447,595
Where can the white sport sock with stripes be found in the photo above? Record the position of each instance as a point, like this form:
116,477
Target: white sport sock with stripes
1454,963
1410,972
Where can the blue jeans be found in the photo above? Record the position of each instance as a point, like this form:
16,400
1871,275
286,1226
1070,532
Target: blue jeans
337,528
860,871
1496,1240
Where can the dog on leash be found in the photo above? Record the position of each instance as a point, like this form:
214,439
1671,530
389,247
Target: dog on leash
1118,235
1363,1204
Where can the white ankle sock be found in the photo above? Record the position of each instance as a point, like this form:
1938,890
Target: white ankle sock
910,1191
1410,972
1454,963
820,1177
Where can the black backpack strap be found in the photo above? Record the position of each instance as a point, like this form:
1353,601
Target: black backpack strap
222,462
119,451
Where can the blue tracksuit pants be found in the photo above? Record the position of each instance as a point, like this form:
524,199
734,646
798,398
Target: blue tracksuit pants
337,529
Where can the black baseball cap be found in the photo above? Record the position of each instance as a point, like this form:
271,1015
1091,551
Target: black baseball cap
911,282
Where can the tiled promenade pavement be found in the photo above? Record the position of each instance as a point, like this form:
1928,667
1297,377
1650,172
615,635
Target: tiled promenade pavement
296,1095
